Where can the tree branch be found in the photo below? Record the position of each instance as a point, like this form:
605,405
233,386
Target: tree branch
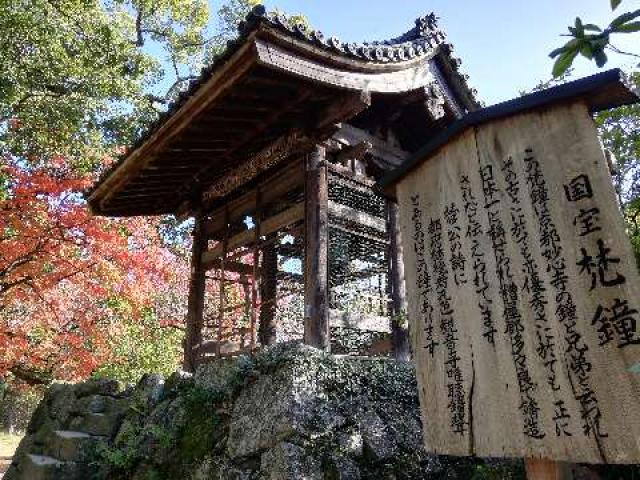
622,52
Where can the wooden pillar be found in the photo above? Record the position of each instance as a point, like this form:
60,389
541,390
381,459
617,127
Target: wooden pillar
257,219
195,309
316,275
268,291
543,469
399,323
221,284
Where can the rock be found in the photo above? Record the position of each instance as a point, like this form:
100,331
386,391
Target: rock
177,380
40,467
289,412
61,398
342,468
376,438
287,461
152,386
99,424
265,414
97,387
350,442
72,446
40,417
100,404
216,468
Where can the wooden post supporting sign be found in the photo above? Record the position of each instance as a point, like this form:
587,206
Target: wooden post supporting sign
543,469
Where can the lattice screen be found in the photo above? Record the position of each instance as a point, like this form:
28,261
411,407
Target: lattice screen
358,251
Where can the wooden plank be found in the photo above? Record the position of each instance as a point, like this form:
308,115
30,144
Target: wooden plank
195,307
353,216
267,226
539,344
316,287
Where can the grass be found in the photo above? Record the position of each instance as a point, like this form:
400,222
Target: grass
8,444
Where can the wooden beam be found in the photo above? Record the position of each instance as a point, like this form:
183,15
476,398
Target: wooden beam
230,183
343,108
296,141
272,188
230,266
352,157
267,226
256,270
267,158
357,217
221,284
351,136
316,285
195,306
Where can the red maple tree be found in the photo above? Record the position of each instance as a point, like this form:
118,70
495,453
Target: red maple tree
62,270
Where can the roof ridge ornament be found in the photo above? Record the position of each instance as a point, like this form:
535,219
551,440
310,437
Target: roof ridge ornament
427,24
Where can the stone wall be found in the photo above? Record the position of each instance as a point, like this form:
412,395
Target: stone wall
289,412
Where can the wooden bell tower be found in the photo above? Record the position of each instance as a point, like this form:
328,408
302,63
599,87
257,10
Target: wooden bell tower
273,152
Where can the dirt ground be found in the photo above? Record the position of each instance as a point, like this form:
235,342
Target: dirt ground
8,445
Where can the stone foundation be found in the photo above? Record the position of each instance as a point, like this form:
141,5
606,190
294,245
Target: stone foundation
290,412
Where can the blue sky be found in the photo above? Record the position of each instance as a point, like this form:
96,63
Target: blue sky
503,44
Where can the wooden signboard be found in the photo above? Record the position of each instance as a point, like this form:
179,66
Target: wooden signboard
524,299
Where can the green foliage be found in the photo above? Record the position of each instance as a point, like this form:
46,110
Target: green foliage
17,405
76,73
124,455
490,471
591,41
143,346
620,132
201,431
